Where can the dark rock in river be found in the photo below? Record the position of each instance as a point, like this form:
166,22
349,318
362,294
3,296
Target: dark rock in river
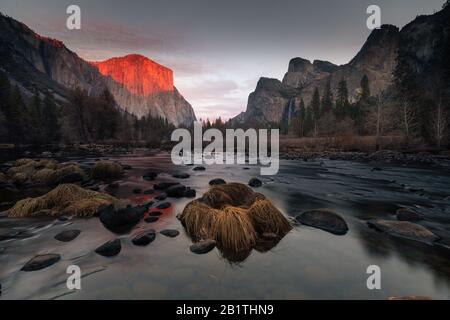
203,247
164,185
404,214
110,248
171,233
67,235
41,262
144,238
255,183
324,219
215,182
176,191
123,219
164,205
137,191
149,176
190,193
155,213
149,191
161,196
151,219
199,168
404,229
181,175
127,167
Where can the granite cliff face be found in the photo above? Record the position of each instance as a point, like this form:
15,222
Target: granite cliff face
273,100
139,85
149,88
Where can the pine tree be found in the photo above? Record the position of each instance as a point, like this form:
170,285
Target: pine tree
308,125
365,89
302,116
35,117
50,119
15,116
342,103
327,98
315,109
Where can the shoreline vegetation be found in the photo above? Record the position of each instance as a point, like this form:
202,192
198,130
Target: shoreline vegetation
354,148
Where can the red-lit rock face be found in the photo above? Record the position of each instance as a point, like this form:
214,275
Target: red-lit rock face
138,74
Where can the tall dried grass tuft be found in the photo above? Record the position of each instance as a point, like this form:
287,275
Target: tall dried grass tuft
266,218
73,198
233,230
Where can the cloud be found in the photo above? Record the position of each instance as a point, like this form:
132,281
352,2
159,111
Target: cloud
98,40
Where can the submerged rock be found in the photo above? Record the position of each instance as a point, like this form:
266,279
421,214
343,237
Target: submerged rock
190,193
164,185
144,238
176,191
151,219
161,196
217,181
149,176
41,261
181,175
155,213
255,183
203,247
149,191
404,214
171,233
137,191
67,235
123,219
324,219
404,229
110,248
164,205
199,168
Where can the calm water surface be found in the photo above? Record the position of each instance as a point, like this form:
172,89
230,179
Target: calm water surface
306,264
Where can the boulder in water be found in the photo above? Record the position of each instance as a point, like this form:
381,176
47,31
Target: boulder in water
404,229
41,261
324,219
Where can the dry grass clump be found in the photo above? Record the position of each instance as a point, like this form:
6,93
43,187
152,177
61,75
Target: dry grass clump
234,216
24,161
266,218
27,168
47,164
73,198
199,219
42,176
230,194
48,176
233,229
106,170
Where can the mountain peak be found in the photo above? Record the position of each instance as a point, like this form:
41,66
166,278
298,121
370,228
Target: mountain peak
138,74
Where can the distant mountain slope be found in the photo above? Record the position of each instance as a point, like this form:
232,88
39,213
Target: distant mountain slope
36,62
423,46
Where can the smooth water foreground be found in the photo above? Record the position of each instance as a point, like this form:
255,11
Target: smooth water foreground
308,263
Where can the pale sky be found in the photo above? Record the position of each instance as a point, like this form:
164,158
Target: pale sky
217,49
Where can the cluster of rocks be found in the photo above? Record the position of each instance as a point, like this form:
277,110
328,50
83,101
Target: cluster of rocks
404,227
